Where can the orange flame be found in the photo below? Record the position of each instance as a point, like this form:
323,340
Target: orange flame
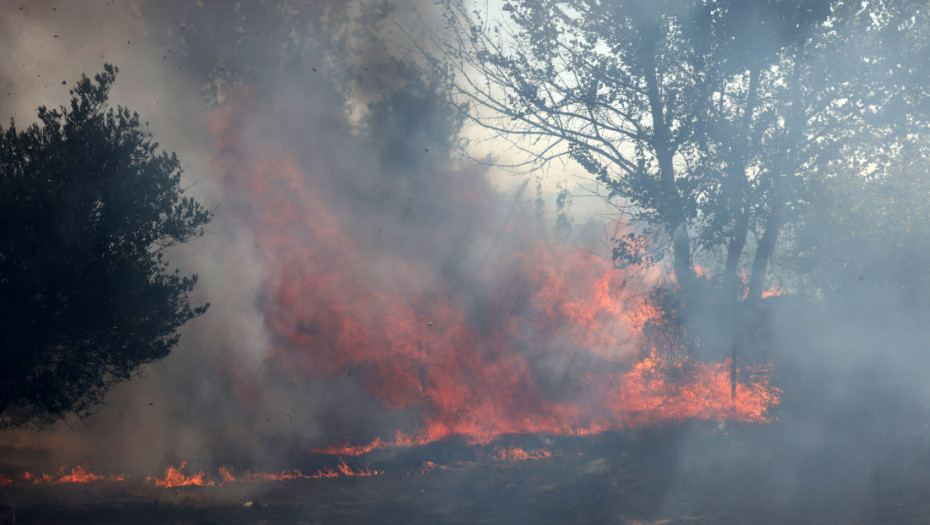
79,474
513,454
346,471
76,474
175,478
774,292
342,470
429,466
559,349
226,474
275,476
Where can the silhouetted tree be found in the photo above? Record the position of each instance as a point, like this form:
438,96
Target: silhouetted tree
88,206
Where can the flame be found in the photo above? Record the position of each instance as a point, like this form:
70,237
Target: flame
342,470
550,339
513,454
175,478
559,348
226,474
345,470
429,466
774,292
63,475
80,474
275,476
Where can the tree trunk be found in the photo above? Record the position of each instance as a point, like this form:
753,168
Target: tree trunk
665,153
731,284
763,255
737,180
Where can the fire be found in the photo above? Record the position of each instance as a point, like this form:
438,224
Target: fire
63,475
551,342
346,471
175,478
80,474
275,476
513,454
350,450
774,292
429,466
227,475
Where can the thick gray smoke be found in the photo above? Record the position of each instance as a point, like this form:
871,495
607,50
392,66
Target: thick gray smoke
323,91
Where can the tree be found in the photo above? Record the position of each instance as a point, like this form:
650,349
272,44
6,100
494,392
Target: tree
710,120
88,207
666,103
225,44
872,234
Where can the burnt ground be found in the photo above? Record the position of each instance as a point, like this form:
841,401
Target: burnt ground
695,475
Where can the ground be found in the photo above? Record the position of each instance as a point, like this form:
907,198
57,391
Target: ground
702,474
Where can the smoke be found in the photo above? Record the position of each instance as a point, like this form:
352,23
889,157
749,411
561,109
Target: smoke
218,396
329,161
319,147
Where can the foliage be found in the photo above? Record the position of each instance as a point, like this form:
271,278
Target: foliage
225,44
710,121
722,128
88,206
871,233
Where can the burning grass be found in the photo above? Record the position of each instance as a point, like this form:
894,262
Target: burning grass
608,478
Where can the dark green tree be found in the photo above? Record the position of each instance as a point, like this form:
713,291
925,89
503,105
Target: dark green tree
88,206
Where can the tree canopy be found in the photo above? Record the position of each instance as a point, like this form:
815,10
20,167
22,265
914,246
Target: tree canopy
716,125
88,206
708,120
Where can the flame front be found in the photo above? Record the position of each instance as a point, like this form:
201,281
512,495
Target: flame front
342,470
513,454
174,477
548,340
64,475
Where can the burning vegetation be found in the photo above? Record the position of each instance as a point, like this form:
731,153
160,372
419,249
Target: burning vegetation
552,339
738,324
